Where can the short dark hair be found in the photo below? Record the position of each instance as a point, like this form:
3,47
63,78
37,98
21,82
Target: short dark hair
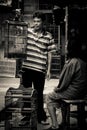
39,15
74,47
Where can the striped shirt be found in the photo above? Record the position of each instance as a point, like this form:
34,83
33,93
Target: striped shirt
37,50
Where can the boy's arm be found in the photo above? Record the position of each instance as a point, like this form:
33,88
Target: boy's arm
49,65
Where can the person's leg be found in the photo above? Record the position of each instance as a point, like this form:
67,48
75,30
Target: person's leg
39,80
52,104
27,83
26,78
52,112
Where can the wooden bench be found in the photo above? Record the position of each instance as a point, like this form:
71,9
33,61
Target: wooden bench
79,113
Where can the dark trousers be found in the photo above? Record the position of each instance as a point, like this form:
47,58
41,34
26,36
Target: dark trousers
38,80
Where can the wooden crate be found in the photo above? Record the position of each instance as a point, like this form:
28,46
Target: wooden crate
7,68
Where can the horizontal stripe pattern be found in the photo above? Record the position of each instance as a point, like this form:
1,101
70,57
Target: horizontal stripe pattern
37,50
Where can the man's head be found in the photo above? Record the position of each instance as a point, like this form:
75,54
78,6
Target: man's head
38,19
74,47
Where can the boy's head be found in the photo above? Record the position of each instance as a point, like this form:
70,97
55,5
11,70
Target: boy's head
39,15
38,19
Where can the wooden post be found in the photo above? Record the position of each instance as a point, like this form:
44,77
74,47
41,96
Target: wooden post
66,30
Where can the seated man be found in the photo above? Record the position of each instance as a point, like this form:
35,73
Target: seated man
72,82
